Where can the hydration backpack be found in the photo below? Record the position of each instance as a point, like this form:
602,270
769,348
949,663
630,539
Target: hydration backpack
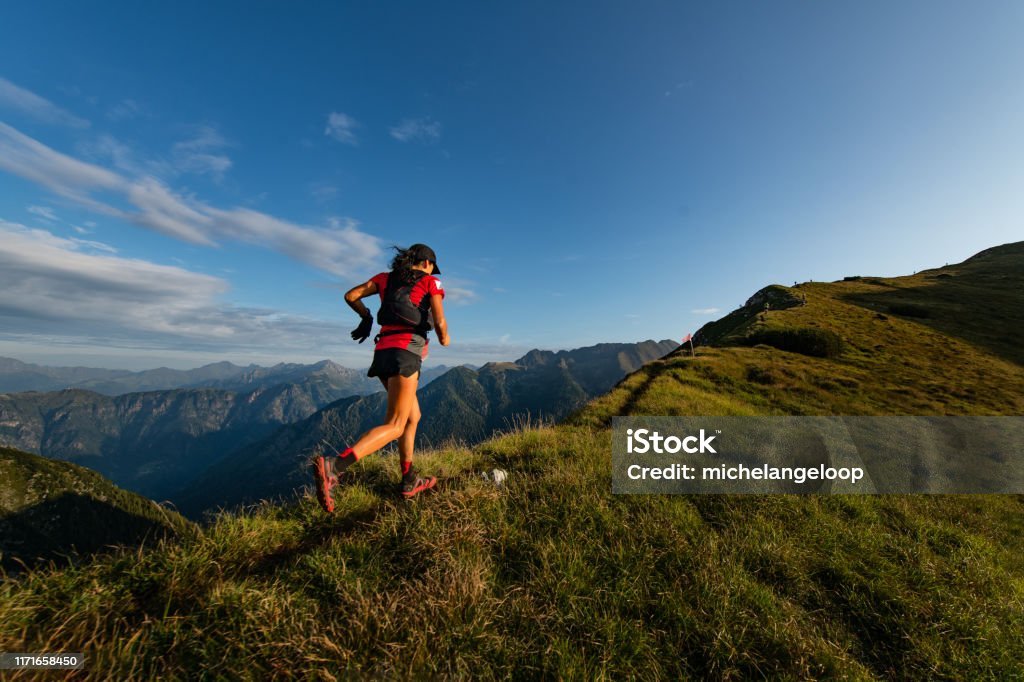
397,308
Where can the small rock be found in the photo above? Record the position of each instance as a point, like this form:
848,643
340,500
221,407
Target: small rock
495,476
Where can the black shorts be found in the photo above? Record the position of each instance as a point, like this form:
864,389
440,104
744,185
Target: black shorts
394,361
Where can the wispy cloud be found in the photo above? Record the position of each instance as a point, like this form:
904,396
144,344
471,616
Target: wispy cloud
705,311
417,130
27,102
65,176
200,153
458,291
457,295
44,212
51,280
51,286
107,148
338,248
342,128
124,110
91,245
479,351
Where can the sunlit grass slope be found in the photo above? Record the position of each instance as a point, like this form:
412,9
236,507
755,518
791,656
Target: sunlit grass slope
552,576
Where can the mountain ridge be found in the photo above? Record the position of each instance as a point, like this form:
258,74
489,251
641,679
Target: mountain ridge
20,377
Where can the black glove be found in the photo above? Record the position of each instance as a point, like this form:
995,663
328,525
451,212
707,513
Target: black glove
362,332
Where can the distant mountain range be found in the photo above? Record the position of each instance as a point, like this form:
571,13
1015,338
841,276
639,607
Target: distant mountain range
464,405
17,376
156,441
151,443
172,444
52,510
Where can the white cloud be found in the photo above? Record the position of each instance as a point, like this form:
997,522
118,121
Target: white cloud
342,128
459,295
705,311
458,291
121,156
68,177
49,280
417,130
20,99
44,212
78,291
198,154
92,245
478,351
163,211
338,248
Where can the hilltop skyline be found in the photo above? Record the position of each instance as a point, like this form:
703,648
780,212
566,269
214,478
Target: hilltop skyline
187,184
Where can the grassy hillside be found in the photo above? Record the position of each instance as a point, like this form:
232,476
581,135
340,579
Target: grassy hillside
55,511
553,576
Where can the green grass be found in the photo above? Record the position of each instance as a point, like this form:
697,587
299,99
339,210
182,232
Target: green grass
553,576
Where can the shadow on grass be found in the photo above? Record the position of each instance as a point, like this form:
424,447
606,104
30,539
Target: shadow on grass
70,527
653,372
981,308
327,527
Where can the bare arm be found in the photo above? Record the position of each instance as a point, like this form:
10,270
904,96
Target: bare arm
437,310
355,295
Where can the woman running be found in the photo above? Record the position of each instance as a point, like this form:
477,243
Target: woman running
410,296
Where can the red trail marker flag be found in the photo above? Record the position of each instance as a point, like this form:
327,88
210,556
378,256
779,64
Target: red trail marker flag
690,339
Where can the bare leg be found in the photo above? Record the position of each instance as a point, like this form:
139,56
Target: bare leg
402,404
407,441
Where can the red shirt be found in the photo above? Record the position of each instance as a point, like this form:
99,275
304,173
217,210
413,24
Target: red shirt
428,285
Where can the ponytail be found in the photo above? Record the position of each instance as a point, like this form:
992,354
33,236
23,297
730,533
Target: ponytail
401,265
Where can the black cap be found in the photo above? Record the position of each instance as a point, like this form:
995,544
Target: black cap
421,252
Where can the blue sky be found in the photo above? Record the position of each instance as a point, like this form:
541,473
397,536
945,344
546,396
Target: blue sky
189,182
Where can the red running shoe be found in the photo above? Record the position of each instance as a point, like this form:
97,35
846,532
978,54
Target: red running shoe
417,485
324,480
